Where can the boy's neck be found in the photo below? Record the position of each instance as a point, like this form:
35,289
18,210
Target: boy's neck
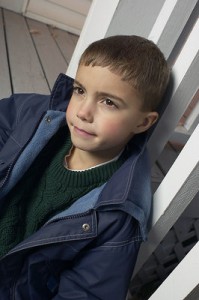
82,160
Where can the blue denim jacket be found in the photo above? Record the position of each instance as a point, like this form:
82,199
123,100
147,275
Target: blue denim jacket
89,250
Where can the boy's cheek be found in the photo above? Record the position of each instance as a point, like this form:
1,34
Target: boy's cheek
115,125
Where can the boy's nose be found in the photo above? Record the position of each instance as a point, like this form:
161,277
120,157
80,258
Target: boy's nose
85,112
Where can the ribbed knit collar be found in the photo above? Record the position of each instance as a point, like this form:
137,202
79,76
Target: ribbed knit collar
69,178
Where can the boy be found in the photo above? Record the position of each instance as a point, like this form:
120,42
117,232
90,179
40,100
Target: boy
75,198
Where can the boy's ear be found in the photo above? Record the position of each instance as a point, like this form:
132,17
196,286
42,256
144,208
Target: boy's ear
147,121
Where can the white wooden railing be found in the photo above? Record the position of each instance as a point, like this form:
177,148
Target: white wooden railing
174,26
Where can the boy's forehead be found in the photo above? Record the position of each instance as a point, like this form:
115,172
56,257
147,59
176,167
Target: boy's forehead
105,73
101,77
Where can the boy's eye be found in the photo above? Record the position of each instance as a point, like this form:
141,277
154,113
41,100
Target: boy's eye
78,90
109,102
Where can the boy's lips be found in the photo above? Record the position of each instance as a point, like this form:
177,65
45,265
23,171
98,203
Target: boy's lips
82,132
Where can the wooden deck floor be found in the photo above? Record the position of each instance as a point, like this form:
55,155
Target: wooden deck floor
32,54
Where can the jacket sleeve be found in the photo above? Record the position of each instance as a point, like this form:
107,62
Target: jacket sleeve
103,271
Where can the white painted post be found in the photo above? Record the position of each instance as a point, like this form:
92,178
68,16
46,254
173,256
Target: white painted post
162,20
175,109
95,28
182,281
174,194
193,119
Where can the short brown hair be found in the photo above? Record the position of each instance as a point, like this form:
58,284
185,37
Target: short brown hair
137,60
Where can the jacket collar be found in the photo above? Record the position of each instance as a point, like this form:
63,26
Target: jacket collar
61,93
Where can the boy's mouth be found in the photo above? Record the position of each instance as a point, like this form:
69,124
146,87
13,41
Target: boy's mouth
82,132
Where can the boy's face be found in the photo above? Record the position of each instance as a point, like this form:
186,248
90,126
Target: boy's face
104,112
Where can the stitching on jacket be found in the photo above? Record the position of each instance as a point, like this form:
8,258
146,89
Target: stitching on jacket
120,244
126,187
132,240
63,238
79,236
15,140
55,240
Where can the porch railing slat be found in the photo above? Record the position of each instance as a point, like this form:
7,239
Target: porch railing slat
186,84
182,281
5,86
174,194
94,28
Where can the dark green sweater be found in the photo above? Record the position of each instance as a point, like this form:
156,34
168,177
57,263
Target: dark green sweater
46,189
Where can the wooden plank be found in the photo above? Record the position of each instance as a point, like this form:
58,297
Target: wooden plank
189,110
135,17
80,6
26,72
178,17
51,59
162,19
167,158
156,177
65,42
182,281
95,27
174,194
193,118
53,14
186,84
5,85
74,38
12,5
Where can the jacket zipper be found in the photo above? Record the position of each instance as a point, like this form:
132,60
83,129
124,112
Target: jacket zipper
13,290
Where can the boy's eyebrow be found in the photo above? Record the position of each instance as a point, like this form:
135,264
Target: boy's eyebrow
101,93
78,83
111,96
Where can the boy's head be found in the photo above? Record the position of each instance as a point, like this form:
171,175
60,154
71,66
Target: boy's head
118,86
137,60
